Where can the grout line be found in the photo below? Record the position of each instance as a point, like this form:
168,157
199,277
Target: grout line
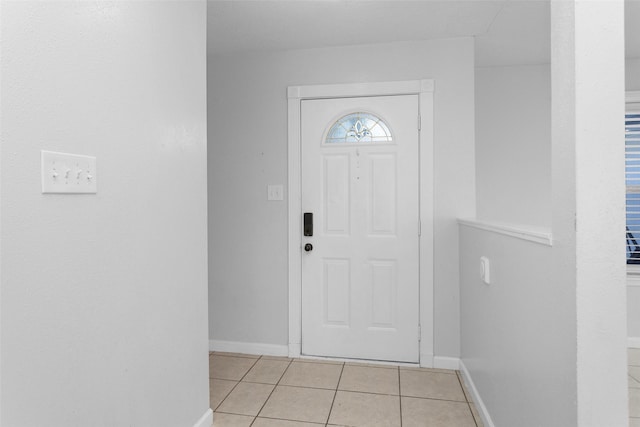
400,396
335,393
234,387
225,398
461,382
294,421
272,390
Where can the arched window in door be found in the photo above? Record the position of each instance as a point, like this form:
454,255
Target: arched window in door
359,128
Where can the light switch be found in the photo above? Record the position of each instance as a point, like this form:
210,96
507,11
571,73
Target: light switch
275,192
68,173
485,270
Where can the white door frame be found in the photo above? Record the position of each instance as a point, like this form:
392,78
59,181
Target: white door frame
295,94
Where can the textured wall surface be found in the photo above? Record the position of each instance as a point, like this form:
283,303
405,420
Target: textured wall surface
104,297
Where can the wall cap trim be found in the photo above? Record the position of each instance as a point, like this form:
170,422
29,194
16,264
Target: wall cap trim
538,235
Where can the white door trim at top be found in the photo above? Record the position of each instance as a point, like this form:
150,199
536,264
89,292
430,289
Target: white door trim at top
295,94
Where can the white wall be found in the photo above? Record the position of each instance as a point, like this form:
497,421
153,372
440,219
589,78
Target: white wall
541,338
513,149
518,337
633,74
104,297
248,150
517,332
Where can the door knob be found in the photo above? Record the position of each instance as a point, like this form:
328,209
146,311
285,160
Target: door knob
308,247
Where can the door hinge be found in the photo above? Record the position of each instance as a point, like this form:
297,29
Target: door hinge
419,122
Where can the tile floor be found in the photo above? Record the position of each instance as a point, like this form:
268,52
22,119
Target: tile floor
263,391
634,387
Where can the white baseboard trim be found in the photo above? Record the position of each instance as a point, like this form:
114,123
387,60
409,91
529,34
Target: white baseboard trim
633,342
426,360
484,413
206,420
249,348
443,362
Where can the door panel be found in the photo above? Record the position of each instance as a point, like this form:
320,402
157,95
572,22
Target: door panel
360,281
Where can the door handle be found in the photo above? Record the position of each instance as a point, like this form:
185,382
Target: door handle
308,247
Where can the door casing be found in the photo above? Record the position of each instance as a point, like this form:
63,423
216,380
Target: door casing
295,94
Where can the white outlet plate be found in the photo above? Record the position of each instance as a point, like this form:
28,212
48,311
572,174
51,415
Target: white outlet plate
68,173
275,192
485,270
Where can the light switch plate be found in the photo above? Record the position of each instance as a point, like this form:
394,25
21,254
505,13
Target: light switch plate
275,192
68,173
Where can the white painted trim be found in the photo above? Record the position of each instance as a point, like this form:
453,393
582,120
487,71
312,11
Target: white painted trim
443,362
350,90
295,94
632,97
475,396
248,348
542,236
206,420
426,360
633,279
633,342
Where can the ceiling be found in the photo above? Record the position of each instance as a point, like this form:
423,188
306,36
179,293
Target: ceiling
507,32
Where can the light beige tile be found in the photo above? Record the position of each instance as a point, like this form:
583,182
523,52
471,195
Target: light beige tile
246,399
433,385
372,365
439,413
288,359
229,368
230,420
316,375
634,371
634,422
248,356
365,409
269,422
476,415
465,391
299,404
218,390
633,383
634,402
370,380
266,371
633,356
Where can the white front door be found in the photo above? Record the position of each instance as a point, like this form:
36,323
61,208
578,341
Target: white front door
360,278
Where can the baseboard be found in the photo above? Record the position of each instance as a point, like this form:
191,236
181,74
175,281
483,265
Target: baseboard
426,360
249,348
475,396
443,362
633,342
206,420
